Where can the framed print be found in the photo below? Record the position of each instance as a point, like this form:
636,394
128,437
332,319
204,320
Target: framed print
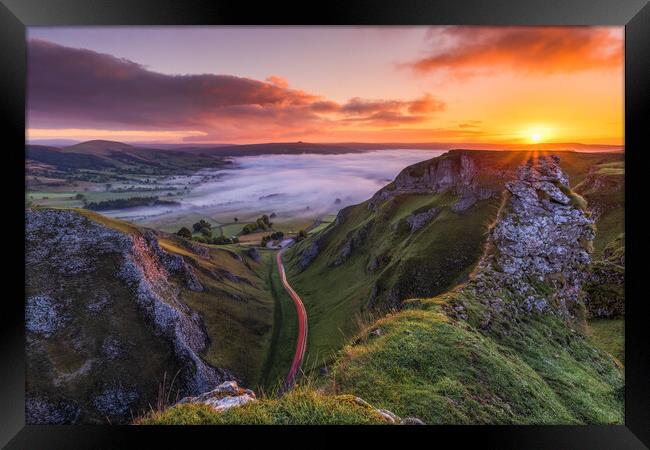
377,218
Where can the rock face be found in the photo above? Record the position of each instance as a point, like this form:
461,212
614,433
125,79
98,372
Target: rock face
540,245
605,290
438,175
354,239
417,221
104,321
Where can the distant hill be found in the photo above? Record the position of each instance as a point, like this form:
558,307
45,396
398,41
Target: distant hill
103,147
118,156
98,147
352,147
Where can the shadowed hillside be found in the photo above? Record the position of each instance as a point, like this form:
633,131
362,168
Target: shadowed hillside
112,310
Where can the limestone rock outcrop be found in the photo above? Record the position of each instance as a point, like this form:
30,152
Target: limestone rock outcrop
539,249
104,319
454,171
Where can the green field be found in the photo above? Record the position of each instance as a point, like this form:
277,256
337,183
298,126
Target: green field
67,199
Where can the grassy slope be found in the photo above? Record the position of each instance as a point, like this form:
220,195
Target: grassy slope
428,365
538,370
608,199
609,334
302,406
425,263
238,315
336,298
424,363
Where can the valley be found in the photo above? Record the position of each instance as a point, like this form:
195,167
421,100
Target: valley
383,258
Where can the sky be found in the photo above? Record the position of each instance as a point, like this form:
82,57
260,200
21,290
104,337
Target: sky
469,84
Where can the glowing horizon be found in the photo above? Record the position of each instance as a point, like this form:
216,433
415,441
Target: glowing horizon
240,85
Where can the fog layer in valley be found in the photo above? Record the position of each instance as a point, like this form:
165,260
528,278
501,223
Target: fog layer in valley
306,185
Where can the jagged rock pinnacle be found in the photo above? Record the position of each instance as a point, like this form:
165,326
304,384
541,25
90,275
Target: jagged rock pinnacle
540,244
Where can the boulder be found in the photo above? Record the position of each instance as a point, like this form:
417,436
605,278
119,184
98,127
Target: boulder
225,396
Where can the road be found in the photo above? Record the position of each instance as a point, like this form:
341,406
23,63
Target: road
301,344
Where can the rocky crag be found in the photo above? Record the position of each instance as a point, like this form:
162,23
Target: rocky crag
104,322
436,176
538,250
508,346
603,187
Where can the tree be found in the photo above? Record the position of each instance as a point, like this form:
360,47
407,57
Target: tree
207,232
201,224
236,219
79,196
302,234
184,233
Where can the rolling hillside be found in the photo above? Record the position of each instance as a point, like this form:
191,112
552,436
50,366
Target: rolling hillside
508,345
119,157
421,235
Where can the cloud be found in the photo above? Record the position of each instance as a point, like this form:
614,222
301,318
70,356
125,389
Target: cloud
425,104
75,88
67,84
467,51
277,81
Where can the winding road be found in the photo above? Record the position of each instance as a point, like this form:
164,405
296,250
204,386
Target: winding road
301,345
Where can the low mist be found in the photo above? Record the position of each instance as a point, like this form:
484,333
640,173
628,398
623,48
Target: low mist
305,185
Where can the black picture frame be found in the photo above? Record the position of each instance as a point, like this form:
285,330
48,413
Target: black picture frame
16,15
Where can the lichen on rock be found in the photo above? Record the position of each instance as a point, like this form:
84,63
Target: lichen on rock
539,248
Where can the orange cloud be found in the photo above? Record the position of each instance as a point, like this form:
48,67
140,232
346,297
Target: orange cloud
277,81
543,50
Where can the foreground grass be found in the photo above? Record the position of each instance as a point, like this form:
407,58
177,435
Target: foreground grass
609,334
302,406
444,371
